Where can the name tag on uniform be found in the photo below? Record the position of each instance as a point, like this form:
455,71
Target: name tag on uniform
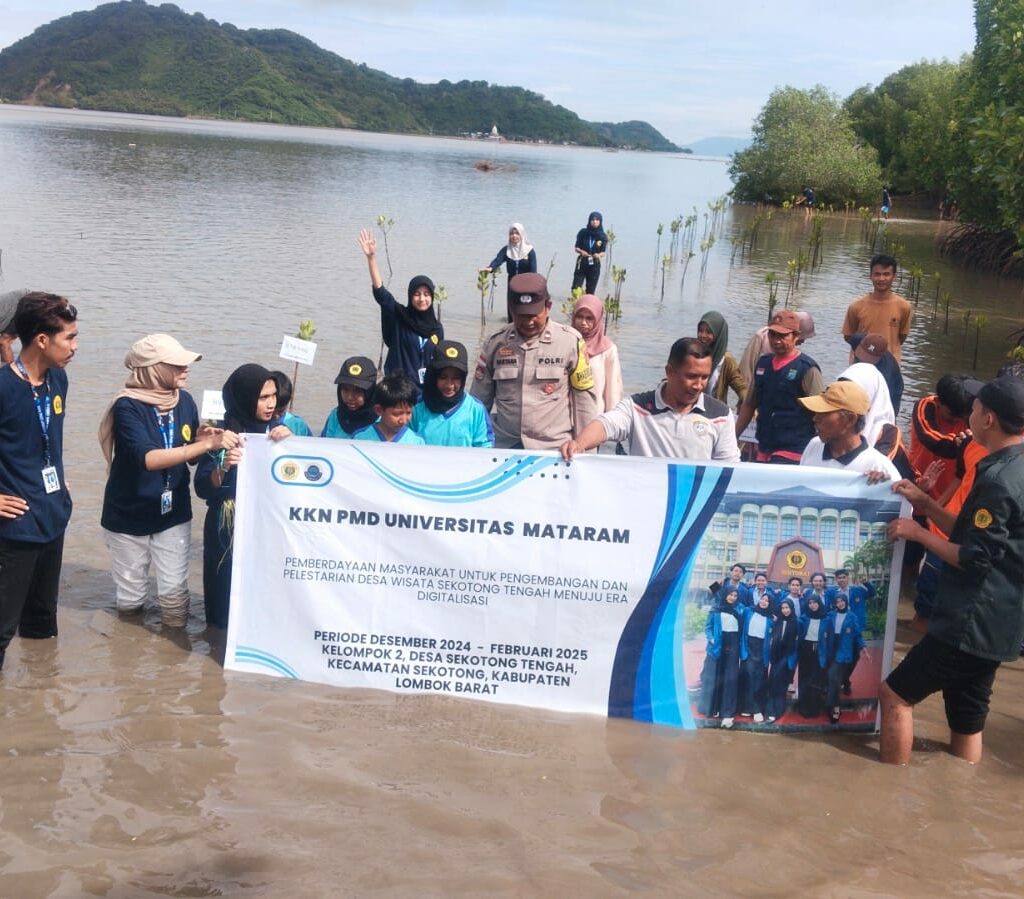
166,502
51,483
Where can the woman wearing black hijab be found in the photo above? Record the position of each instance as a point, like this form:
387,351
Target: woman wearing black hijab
250,407
411,333
591,244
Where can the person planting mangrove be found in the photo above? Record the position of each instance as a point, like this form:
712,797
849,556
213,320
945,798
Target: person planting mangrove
591,245
250,407
149,435
518,256
411,332
713,332
354,411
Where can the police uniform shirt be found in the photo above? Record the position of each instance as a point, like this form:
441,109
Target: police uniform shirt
653,428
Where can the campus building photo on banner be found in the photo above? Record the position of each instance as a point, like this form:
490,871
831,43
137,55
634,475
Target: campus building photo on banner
750,596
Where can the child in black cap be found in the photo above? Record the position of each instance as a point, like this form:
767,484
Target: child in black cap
447,415
354,412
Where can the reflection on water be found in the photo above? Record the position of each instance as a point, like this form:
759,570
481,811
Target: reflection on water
131,764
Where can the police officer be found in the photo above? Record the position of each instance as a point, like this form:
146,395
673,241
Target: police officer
534,375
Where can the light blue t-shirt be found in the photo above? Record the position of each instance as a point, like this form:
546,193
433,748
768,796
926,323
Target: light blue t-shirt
468,424
406,435
296,425
332,427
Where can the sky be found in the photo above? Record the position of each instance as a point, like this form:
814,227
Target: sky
692,70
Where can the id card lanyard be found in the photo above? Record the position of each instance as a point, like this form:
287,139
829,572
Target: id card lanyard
41,397
166,425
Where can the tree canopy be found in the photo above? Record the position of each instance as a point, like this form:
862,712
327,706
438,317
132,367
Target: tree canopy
804,138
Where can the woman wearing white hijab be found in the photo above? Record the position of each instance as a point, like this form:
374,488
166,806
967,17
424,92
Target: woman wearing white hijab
881,412
518,256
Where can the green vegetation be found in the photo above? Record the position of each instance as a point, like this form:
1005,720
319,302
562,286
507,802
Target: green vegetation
950,130
805,138
133,57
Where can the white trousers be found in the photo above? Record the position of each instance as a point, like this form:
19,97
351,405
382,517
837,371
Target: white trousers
130,559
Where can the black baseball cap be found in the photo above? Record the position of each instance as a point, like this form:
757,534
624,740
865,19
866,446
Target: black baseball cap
450,354
1004,396
358,371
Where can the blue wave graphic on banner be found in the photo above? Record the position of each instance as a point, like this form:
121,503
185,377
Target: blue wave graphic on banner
509,473
648,680
265,660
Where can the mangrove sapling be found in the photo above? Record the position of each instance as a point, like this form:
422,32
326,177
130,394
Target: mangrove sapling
483,281
613,304
938,284
386,224
608,259
569,304
657,252
980,320
773,293
666,261
705,248
686,264
966,320
440,295
674,235
946,298
305,332
551,265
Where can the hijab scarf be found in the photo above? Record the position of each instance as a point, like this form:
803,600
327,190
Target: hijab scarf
880,412
436,401
361,418
421,321
598,341
150,384
717,325
597,233
241,393
523,249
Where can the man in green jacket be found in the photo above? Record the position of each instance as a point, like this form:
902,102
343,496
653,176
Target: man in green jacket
978,620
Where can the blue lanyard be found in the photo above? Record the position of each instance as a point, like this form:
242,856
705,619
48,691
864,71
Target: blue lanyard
167,432
42,401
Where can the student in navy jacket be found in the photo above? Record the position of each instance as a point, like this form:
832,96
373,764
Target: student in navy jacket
412,332
250,407
150,434
755,653
812,679
782,656
720,677
518,256
843,643
35,504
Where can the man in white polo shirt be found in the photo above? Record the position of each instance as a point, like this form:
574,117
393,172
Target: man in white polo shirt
676,420
838,420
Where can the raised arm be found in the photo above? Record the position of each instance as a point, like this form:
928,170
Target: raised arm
368,244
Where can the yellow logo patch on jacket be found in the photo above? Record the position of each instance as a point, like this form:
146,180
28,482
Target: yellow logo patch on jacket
582,378
982,518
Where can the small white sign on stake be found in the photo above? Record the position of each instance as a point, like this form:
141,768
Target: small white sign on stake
213,406
298,350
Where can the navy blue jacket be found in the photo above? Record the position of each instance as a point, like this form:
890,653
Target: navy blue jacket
514,266
21,457
407,351
131,500
782,423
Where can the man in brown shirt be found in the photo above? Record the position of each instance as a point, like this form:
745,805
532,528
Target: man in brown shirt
881,311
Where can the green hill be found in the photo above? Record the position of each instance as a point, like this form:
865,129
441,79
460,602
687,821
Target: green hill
133,57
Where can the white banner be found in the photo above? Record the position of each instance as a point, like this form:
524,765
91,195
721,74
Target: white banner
514,578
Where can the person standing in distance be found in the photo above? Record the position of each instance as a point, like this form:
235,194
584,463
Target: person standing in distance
35,504
591,245
533,376
882,311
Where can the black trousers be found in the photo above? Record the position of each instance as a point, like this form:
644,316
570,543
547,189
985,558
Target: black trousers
589,272
29,583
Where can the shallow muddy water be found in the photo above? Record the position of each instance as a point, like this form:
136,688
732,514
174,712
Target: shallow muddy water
131,764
